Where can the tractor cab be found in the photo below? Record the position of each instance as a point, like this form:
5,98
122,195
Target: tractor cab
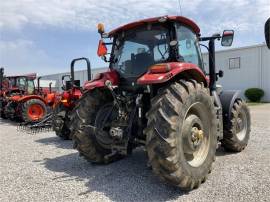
151,46
137,49
154,50
19,84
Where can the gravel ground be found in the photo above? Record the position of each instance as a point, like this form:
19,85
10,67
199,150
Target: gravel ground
42,167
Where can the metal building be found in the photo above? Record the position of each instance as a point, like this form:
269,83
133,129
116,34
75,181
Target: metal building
79,75
244,68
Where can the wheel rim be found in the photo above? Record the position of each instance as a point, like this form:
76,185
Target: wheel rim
196,134
241,125
35,112
104,117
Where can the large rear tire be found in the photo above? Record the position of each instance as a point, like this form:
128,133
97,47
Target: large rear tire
84,115
182,134
60,122
33,110
237,130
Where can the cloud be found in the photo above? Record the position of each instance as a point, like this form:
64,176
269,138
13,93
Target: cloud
22,20
85,14
241,15
21,56
82,14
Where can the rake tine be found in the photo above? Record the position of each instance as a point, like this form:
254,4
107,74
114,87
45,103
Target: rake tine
36,127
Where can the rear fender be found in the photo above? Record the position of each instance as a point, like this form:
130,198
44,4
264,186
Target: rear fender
227,99
76,93
69,97
15,98
29,97
99,80
175,69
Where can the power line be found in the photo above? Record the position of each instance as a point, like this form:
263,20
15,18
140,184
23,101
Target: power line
180,9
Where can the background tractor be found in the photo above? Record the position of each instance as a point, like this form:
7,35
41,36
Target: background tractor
67,100
157,94
20,100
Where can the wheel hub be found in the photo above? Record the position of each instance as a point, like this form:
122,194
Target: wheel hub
35,112
241,125
197,135
104,118
193,134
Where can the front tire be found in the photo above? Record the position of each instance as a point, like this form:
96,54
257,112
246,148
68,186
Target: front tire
176,112
237,130
60,122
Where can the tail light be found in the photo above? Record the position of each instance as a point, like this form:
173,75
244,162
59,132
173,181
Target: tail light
102,49
160,68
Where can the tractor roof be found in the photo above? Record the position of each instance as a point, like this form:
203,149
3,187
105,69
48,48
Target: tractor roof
180,19
29,76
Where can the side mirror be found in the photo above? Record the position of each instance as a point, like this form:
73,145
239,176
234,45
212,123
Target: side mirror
227,38
102,49
267,32
101,28
220,73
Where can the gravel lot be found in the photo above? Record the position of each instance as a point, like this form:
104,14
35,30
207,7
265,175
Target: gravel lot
42,167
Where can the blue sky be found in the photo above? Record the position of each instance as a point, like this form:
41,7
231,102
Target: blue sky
43,36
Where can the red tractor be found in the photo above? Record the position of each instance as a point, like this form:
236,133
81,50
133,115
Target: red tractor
64,106
2,90
20,100
157,94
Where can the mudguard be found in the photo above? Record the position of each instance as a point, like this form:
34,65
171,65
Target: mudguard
174,69
227,99
99,80
28,97
15,98
76,93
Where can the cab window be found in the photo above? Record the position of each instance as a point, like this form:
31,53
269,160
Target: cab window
188,46
139,48
21,83
30,87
